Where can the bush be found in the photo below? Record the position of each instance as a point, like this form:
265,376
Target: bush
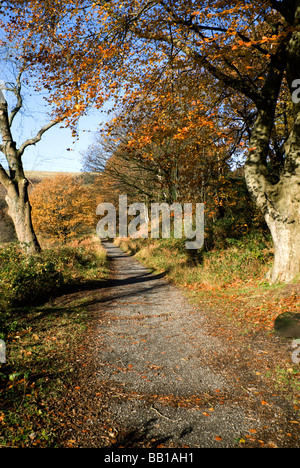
26,280
32,279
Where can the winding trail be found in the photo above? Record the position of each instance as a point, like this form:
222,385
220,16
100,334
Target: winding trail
172,386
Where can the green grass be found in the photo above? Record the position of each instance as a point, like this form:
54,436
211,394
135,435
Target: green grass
36,374
246,259
30,279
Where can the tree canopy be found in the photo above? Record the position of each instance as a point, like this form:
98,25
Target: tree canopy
241,57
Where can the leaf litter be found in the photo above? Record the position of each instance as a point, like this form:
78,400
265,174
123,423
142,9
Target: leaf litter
192,381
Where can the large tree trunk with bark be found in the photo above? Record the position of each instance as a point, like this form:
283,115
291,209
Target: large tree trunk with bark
19,210
16,186
279,201
14,179
283,217
285,234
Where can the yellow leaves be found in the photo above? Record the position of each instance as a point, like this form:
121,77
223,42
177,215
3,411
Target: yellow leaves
62,207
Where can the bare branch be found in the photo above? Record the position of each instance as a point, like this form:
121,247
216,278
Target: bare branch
17,92
37,138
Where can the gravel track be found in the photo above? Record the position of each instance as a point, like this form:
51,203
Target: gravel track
153,347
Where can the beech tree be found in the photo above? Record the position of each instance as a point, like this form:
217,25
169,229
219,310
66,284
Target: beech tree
13,178
249,47
120,171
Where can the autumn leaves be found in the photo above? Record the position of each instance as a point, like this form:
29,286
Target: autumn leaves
197,87
63,207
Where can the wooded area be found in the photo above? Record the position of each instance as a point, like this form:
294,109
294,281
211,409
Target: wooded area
204,93
202,105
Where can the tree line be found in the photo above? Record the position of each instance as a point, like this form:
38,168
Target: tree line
200,88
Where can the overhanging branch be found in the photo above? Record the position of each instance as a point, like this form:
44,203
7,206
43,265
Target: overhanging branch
37,138
230,81
17,92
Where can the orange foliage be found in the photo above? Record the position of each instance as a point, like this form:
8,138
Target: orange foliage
86,51
62,207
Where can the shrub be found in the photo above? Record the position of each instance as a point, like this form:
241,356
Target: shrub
26,280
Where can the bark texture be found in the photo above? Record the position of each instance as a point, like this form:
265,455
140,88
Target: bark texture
13,179
19,210
280,201
16,186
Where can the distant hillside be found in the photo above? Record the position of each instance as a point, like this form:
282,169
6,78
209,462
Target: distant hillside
39,175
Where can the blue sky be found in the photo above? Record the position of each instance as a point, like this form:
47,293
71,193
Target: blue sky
52,154
58,150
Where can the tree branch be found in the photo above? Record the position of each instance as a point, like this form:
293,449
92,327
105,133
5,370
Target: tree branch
17,92
37,138
230,81
198,28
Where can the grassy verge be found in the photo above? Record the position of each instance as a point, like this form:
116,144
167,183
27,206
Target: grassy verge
233,278
41,338
28,280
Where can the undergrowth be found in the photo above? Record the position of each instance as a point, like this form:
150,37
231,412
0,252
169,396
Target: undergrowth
42,336
243,259
232,278
31,279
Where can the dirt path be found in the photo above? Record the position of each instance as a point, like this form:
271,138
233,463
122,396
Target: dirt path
167,379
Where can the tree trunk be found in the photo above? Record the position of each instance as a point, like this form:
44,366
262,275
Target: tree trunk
19,210
283,216
279,202
16,185
286,239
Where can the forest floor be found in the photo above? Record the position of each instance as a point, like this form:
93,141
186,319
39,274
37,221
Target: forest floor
156,368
